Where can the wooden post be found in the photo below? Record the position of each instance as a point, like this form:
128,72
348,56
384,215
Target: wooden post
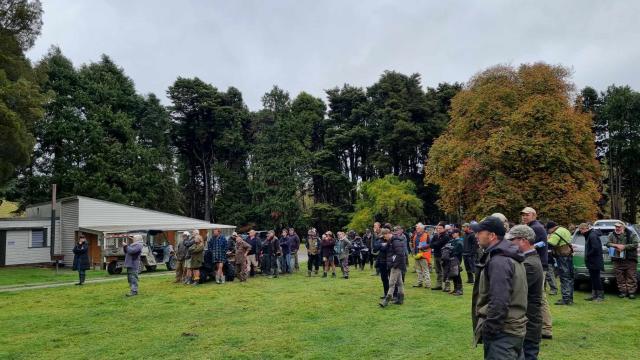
52,244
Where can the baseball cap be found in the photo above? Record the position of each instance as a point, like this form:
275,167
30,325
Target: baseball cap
619,223
521,231
491,224
185,233
528,210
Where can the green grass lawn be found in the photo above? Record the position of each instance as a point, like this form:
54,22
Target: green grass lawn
23,276
290,317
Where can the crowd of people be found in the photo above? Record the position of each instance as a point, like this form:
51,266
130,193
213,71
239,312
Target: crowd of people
509,266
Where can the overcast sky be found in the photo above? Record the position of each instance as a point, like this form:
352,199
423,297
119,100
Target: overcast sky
313,45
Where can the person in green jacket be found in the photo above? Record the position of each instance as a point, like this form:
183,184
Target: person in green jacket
560,241
623,245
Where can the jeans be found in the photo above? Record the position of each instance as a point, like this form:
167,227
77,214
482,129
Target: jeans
502,347
565,268
530,350
550,278
294,261
285,263
594,278
132,278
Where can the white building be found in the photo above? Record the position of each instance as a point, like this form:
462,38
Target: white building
27,240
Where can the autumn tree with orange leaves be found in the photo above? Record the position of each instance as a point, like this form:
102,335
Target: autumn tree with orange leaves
515,140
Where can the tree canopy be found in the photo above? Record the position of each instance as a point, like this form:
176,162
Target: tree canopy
514,140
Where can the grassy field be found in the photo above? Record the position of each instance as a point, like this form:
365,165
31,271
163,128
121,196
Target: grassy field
290,317
23,276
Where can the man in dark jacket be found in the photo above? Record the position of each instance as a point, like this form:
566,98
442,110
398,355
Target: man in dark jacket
381,247
623,245
593,260
499,302
530,217
252,257
181,255
81,259
440,239
294,243
397,263
470,251
271,250
524,237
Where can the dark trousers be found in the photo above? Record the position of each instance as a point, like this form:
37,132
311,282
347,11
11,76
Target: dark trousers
550,278
314,261
470,263
82,275
625,271
594,278
565,270
530,349
502,347
457,282
372,258
384,276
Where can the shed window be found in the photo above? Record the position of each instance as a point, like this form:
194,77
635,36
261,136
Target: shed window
38,238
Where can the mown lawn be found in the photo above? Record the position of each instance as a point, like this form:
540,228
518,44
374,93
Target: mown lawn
21,276
290,317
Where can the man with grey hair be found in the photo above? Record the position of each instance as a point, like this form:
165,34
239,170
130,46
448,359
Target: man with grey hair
420,240
524,237
132,262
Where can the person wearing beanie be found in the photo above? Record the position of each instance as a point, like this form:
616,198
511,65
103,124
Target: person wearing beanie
524,237
560,242
499,302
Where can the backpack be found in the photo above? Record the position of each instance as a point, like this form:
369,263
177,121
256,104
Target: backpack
447,252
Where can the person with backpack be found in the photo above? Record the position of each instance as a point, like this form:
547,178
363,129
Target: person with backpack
560,242
451,259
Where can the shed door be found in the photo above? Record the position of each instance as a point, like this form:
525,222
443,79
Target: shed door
3,247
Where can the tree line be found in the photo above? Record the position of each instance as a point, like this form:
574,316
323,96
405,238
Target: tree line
459,149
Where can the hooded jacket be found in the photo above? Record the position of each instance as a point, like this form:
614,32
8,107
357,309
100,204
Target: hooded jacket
132,255
499,303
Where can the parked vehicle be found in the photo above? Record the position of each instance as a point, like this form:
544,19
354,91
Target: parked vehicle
581,272
156,250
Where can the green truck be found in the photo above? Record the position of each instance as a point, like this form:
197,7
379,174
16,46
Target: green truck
580,270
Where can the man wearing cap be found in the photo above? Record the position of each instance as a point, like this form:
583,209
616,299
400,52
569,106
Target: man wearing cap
593,260
470,251
524,237
560,242
181,255
529,217
624,248
423,255
499,302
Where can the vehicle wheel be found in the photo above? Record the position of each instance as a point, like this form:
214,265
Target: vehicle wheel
112,268
151,268
172,263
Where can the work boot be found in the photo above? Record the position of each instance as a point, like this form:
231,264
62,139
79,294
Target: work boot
594,296
599,296
632,296
316,272
622,295
457,292
399,300
324,274
437,288
447,286
418,285
385,301
333,275
469,278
